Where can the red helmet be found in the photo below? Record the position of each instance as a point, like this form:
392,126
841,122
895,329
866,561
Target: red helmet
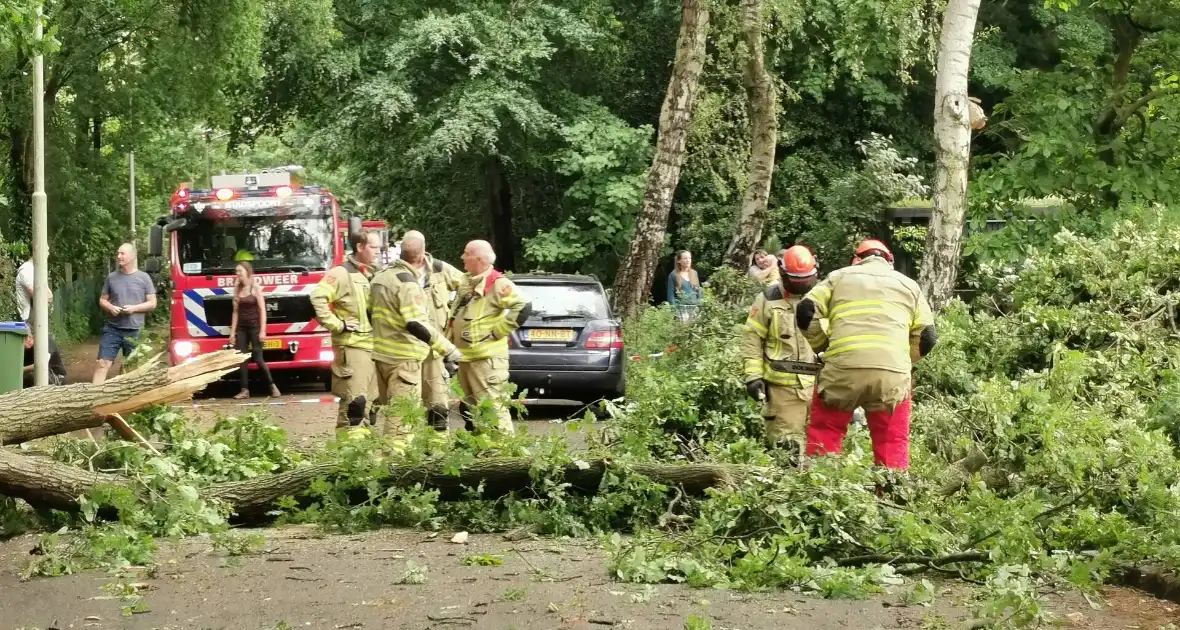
870,245
798,262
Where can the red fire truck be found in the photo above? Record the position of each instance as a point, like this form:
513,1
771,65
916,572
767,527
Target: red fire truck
290,234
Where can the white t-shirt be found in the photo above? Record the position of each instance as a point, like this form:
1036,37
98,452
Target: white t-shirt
24,286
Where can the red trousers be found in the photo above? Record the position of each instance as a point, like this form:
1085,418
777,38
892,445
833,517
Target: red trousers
890,431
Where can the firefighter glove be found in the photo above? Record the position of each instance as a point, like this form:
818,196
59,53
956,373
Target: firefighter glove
451,363
756,389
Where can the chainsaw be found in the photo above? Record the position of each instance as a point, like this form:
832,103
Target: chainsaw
796,367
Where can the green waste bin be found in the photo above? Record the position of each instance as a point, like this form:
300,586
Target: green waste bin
12,355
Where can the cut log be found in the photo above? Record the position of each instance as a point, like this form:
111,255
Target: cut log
37,412
45,483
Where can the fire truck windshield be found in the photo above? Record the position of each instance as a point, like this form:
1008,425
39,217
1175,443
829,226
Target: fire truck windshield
269,243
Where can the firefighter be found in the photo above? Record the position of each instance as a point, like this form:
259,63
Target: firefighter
879,324
341,302
439,281
773,349
403,335
489,307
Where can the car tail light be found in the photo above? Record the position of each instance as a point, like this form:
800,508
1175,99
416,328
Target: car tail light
603,339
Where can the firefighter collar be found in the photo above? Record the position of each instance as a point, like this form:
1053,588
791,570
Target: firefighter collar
481,283
403,265
366,270
873,260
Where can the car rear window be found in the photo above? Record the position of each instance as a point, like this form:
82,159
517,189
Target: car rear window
586,300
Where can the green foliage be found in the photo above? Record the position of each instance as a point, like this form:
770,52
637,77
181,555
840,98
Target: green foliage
836,204
609,161
484,560
164,499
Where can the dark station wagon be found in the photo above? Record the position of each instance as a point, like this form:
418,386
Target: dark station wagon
571,347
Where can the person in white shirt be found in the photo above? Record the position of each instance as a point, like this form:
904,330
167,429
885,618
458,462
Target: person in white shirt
24,303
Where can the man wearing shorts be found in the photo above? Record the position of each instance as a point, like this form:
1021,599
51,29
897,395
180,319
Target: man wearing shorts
126,296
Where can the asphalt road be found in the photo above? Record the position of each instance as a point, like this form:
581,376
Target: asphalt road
305,409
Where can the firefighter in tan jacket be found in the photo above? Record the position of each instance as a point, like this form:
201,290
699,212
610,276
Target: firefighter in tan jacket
489,307
403,334
879,324
440,280
778,363
341,303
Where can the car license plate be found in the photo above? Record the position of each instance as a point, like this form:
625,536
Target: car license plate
560,335
272,344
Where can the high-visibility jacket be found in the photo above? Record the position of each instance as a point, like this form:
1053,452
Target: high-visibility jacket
486,311
398,301
439,280
875,315
771,335
344,293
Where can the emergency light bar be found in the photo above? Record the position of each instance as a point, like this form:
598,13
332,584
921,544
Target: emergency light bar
252,181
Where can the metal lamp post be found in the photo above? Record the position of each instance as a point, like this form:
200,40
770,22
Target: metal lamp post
40,228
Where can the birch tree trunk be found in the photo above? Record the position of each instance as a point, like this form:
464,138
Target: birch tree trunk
952,135
763,137
633,282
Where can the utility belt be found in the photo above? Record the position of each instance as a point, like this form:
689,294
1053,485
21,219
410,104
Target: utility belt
795,367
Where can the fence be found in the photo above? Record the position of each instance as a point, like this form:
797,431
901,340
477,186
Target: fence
76,315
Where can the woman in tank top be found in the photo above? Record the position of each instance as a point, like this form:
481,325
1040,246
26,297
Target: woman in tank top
248,326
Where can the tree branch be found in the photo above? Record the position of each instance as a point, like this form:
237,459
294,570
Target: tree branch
1142,102
966,556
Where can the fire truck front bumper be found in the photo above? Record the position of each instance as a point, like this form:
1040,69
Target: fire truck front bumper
281,352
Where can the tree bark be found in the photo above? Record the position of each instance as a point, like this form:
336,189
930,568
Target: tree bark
37,412
499,196
762,99
45,483
633,282
952,133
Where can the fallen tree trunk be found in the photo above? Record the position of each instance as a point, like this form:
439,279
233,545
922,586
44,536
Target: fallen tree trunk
45,483
37,412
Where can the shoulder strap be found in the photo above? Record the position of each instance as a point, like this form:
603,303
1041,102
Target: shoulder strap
774,292
438,266
349,267
405,276
493,276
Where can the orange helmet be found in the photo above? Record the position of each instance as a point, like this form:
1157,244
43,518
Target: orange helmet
872,245
798,262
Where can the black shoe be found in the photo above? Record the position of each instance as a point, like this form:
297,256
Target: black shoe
438,418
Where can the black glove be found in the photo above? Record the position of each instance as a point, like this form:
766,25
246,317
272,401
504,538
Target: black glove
756,389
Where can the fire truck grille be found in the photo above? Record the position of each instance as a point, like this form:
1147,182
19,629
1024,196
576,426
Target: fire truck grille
280,309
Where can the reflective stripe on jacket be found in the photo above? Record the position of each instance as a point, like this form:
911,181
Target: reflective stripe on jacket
770,335
874,315
397,301
341,294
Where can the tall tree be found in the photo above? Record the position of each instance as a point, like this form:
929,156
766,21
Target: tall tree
952,136
762,106
633,283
